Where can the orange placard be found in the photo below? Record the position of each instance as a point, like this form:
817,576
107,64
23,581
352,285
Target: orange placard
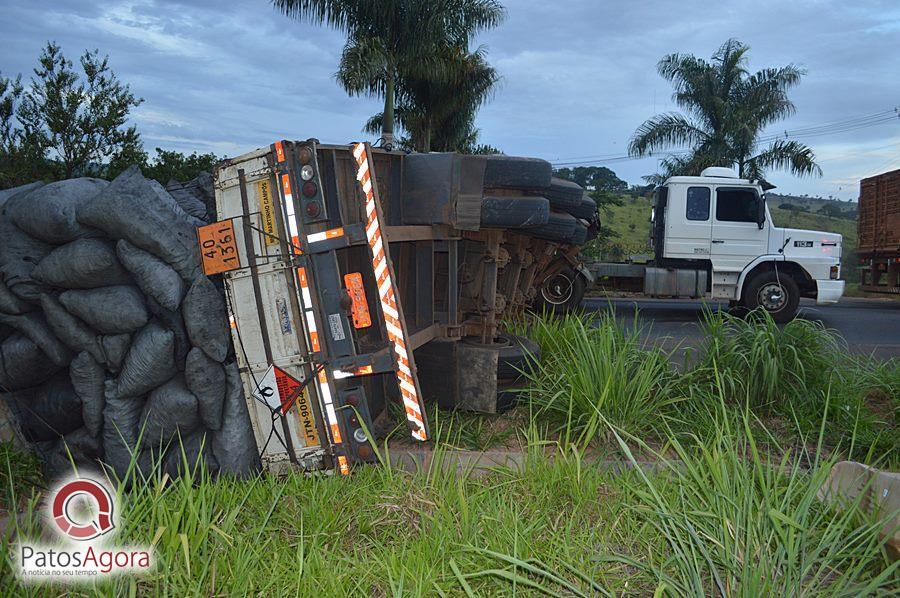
360,308
218,247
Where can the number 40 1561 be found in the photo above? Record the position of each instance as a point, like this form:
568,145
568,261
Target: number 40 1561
218,247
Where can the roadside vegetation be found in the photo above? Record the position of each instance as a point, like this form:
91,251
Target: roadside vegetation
715,491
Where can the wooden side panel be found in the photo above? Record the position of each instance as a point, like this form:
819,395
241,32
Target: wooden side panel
879,213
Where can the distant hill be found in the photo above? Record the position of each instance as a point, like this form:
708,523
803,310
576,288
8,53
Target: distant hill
632,222
813,205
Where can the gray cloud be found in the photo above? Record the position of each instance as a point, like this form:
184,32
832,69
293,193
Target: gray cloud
578,76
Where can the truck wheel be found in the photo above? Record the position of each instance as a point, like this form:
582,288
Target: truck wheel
520,355
579,237
562,194
560,227
562,292
514,212
778,295
586,209
515,354
517,173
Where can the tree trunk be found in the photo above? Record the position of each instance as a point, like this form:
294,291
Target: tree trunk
387,123
426,146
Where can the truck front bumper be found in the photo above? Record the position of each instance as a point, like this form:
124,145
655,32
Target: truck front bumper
829,291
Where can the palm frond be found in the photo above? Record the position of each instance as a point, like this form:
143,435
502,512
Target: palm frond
793,156
664,131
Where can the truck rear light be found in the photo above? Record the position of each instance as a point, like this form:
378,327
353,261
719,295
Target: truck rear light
304,155
307,172
310,189
835,272
359,435
313,209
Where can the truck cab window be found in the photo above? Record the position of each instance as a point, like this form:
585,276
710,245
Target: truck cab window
736,205
697,203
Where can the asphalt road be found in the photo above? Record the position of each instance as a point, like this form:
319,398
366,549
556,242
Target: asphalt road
870,326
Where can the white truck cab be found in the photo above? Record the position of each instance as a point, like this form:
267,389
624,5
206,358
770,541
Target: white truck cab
713,237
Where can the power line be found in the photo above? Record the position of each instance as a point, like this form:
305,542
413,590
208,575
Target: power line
827,128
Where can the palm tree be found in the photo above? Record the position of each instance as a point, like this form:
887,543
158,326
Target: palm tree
727,109
388,39
438,113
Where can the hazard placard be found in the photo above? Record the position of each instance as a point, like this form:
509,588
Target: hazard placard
218,247
281,391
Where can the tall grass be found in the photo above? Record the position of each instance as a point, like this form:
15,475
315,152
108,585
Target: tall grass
798,372
732,522
720,520
593,371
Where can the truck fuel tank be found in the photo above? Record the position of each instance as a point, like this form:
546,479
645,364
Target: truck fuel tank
671,282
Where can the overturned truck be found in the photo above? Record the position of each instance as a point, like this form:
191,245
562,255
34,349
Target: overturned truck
361,278
356,284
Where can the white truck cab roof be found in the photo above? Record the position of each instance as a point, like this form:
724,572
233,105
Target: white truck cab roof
716,175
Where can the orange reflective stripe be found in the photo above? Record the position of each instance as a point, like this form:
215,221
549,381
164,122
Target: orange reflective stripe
279,151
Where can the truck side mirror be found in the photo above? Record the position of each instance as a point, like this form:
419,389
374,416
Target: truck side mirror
761,212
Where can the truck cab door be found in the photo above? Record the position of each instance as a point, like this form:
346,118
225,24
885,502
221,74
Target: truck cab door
688,223
737,236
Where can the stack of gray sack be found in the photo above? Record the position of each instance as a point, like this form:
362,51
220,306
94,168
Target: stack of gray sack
114,346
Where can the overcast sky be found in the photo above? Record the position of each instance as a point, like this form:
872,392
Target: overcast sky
578,76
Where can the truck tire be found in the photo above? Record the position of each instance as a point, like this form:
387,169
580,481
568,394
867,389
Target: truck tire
593,231
515,354
562,194
514,212
586,209
517,173
579,237
560,227
520,355
508,394
562,292
778,294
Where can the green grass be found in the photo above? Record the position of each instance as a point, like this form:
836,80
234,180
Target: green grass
722,519
741,441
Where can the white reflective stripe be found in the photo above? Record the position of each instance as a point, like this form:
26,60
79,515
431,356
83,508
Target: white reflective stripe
316,237
339,374
390,311
412,403
358,150
384,287
371,230
401,351
289,197
332,416
409,387
376,248
419,434
311,321
307,297
367,186
380,268
326,396
370,208
393,329
292,226
404,369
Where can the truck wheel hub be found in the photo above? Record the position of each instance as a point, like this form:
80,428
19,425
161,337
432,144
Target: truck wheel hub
772,296
558,289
